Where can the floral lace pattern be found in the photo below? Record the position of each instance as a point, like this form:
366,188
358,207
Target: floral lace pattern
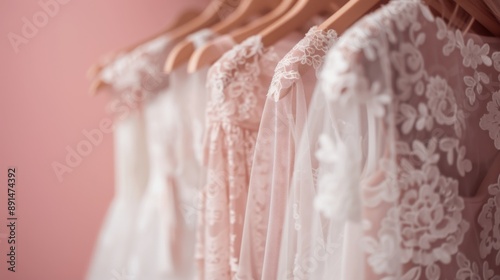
281,126
489,219
138,74
404,123
236,84
309,52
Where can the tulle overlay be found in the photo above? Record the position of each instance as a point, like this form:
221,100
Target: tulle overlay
411,135
281,127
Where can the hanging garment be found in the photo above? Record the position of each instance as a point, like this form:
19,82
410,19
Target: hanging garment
133,78
165,234
139,72
409,179
237,84
131,170
281,126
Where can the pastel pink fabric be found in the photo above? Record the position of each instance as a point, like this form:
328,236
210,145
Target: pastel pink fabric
237,85
409,166
282,124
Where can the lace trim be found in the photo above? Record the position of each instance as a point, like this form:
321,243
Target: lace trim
421,226
127,71
233,115
309,51
136,76
237,72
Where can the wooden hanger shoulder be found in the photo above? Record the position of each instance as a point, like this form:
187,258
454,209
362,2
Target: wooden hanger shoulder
297,16
482,14
95,69
242,13
210,53
348,14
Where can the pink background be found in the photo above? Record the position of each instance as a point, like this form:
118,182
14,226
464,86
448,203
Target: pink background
44,108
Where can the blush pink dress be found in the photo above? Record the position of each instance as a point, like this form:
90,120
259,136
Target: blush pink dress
409,165
281,127
237,85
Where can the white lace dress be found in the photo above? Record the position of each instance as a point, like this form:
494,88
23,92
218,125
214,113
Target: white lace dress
165,234
151,235
133,78
409,175
281,127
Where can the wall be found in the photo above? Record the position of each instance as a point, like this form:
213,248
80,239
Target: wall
44,108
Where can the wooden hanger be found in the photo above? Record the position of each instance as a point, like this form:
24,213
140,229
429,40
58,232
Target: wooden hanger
355,9
448,10
349,14
210,16
247,8
300,13
95,69
212,51
494,6
186,16
482,14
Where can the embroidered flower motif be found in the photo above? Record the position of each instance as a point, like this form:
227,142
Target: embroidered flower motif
428,149
470,271
489,220
425,155
450,146
409,118
496,62
383,255
409,63
475,55
431,218
474,85
491,121
309,51
441,101
334,200
233,81
443,33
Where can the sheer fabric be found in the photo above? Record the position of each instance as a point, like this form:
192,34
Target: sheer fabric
158,240
139,73
131,171
237,85
165,233
412,132
281,125
133,78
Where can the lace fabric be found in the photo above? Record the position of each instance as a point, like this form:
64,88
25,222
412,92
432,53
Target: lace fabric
133,78
412,132
139,73
237,85
165,232
164,248
161,233
281,125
